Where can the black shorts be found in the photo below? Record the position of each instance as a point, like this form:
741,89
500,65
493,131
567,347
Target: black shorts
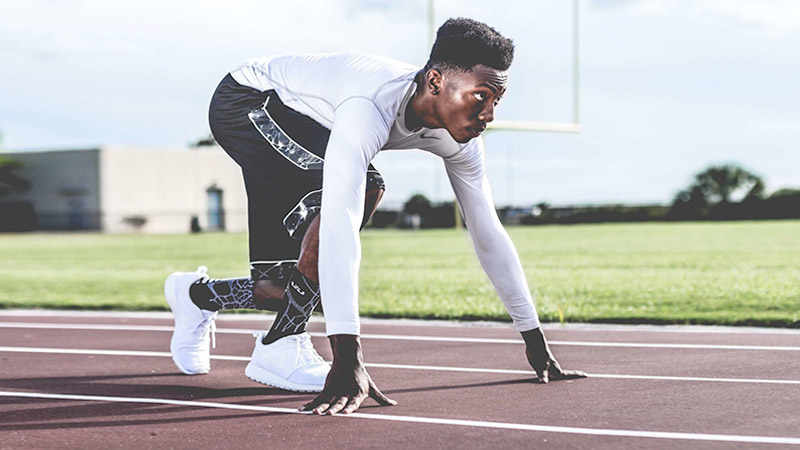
281,153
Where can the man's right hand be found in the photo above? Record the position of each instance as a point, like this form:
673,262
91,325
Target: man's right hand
348,383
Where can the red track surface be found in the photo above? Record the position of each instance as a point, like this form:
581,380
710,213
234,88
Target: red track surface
588,410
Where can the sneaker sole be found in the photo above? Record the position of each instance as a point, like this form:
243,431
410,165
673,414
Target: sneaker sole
262,376
172,296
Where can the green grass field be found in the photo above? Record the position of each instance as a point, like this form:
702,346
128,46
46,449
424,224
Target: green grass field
715,273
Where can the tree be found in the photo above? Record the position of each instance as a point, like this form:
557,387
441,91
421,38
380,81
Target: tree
14,215
713,192
719,184
783,204
9,181
416,209
417,204
689,203
784,193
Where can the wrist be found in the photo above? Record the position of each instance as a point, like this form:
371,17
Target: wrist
346,349
533,338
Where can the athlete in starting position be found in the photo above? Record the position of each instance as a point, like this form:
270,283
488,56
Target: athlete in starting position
301,126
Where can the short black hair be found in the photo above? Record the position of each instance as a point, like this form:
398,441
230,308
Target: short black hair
464,43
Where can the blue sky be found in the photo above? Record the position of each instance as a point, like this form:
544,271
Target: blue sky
667,87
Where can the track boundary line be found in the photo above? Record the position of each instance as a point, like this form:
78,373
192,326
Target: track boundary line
100,352
166,328
267,315
425,420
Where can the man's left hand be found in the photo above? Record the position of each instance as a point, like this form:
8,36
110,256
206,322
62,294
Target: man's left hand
542,360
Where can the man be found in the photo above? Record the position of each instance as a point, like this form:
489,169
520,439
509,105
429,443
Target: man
301,126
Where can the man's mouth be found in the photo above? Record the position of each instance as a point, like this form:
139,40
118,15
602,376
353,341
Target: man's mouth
476,131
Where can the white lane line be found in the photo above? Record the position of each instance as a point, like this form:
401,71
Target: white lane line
77,351
470,340
109,327
577,343
426,420
427,323
668,345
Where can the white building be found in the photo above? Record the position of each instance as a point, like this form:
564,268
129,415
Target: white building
123,189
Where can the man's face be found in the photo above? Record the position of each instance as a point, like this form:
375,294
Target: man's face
467,100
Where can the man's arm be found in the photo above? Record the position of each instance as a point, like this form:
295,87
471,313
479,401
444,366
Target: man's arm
499,258
358,133
494,248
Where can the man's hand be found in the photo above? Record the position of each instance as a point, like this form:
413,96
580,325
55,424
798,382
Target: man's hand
542,360
348,383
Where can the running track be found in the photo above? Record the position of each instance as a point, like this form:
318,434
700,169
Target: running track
104,380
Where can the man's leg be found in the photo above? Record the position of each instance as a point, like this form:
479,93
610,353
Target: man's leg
195,299
273,254
301,295
270,295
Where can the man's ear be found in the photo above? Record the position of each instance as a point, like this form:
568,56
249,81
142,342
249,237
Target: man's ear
433,81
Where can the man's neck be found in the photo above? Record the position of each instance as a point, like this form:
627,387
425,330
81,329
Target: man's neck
419,111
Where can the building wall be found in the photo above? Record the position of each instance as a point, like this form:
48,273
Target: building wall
159,191
64,190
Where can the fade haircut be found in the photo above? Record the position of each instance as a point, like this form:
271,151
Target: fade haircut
462,43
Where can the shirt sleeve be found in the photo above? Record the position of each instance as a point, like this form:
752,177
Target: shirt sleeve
358,133
494,248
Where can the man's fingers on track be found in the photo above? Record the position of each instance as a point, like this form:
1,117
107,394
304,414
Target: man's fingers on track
572,374
543,378
378,396
318,400
554,368
543,375
352,405
336,407
321,404
321,409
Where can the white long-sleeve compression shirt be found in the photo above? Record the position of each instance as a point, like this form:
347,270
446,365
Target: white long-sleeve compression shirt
362,99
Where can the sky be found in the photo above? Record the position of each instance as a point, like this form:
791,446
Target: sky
667,87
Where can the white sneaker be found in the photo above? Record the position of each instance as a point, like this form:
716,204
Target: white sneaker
190,340
289,363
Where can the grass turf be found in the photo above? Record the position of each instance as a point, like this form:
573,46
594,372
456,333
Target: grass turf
715,273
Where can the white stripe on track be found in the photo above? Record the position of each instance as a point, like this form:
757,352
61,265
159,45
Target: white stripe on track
109,327
426,420
120,327
78,351
427,323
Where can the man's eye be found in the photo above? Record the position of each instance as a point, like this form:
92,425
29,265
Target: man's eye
479,96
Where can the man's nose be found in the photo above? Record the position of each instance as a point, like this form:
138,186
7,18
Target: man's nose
487,115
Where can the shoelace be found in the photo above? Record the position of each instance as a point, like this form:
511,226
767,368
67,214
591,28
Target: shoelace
201,328
309,352
212,327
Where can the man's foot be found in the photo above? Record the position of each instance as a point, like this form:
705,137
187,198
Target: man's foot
290,363
190,340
